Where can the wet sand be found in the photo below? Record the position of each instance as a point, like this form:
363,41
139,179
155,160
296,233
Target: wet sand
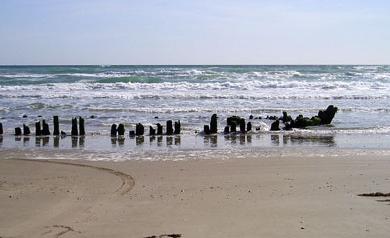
270,196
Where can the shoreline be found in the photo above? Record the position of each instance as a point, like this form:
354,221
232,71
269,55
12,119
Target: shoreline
245,196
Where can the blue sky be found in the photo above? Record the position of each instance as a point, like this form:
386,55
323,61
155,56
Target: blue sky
194,32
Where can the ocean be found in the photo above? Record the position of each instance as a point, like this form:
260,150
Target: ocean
106,94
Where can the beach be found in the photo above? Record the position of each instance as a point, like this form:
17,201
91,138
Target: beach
250,195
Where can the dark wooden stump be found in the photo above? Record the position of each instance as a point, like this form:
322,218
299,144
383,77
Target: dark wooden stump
131,134
152,131
249,126
169,128
38,131
242,125
45,128
226,131
74,131
121,130
113,130
159,129
26,130
18,131
275,126
139,129
233,127
56,123
214,124
177,127
81,126
206,130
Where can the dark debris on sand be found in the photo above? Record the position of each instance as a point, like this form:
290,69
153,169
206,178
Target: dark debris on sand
377,194
165,236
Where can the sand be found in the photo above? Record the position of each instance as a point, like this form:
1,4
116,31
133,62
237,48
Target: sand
257,196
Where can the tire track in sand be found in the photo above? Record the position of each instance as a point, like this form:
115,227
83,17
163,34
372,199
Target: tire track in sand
128,182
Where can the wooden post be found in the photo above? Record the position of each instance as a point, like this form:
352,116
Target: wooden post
249,126
131,134
139,129
121,130
18,131
26,130
1,128
233,127
113,130
275,126
81,126
214,124
38,131
242,125
56,123
74,131
159,129
206,129
45,128
152,131
169,128
177,127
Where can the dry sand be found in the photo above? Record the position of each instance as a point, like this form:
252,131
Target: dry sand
253,197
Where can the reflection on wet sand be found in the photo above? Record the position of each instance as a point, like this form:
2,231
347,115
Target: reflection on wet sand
56,141
320,140
242,138
26,140
213,141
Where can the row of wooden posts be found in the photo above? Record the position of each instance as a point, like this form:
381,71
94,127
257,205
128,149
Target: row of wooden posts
42,128
232,123
171,129
78,128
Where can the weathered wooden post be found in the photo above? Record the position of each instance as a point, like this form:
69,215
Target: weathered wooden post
214,124
45,128
121,130
275,126
131,134
152,131
81,126
159,129
1,128
206,129
139,129
113,130
249,126
233,127
177,127
56,123
226,131
18,131
242,125
26,130
38,131
169,127
74,131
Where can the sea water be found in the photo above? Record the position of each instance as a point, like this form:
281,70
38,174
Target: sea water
106,94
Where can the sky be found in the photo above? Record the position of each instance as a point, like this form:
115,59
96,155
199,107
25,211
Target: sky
194,32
